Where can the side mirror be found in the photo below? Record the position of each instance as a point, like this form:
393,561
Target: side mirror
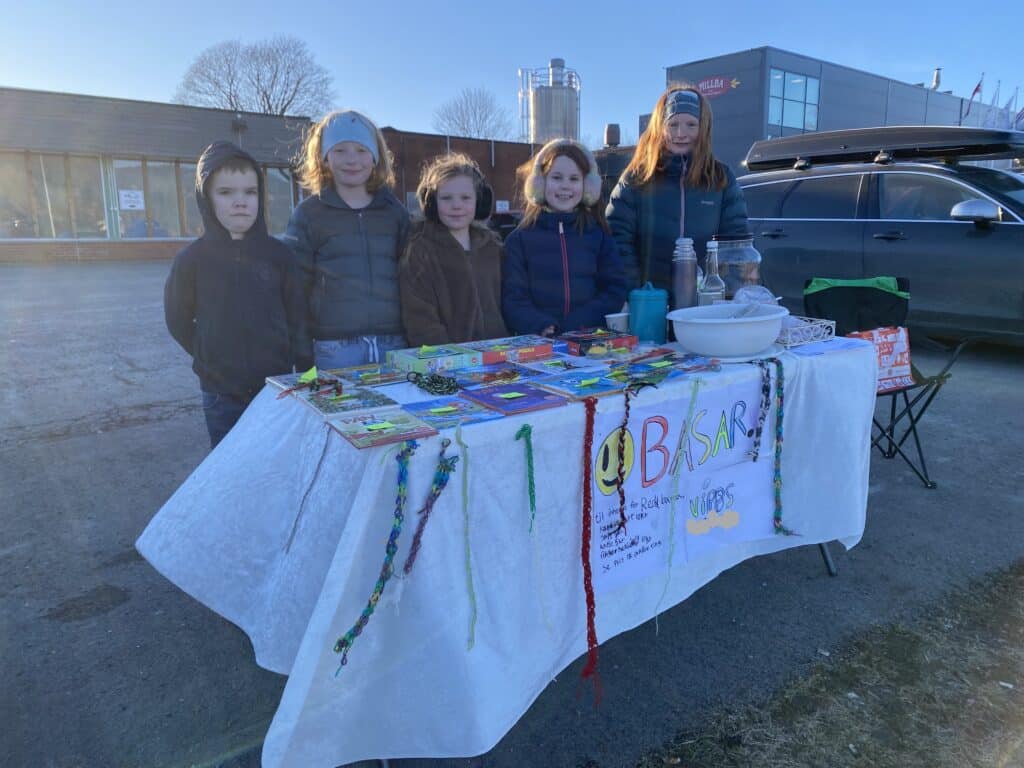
981,212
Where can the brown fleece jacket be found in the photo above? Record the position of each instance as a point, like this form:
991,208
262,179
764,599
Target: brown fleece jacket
450,295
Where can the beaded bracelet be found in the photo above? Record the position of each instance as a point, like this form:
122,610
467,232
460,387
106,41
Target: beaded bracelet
434,383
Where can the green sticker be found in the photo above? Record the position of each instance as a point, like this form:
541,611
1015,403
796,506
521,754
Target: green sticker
511,395
444,409
589,382
379,426
308,376
661,364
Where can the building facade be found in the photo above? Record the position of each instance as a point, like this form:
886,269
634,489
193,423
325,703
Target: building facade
87,178
767,92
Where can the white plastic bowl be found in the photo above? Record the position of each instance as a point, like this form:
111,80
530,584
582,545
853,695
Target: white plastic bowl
714,332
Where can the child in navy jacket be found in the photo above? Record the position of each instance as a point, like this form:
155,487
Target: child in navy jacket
562,268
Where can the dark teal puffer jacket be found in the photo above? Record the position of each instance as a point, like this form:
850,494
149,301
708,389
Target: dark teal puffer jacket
349,262
645,220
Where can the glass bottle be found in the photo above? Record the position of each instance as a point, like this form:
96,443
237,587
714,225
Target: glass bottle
739,262
713,287
684,274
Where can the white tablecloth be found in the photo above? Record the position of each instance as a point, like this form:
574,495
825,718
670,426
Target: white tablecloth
412,687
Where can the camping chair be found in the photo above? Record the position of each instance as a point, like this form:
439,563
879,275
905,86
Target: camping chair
867,305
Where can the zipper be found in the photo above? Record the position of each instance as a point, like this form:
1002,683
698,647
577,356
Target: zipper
565,270
366,249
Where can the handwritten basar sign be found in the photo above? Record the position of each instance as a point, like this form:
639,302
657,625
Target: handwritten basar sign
893,348
690,488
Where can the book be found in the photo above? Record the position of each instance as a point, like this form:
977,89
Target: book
489,375
379,427
512,349
349,400
434,359
559,363
577,385
514,398
301,382
371,375
597,341
451,411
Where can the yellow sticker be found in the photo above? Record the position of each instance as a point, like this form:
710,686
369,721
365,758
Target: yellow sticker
308,376
661,364
511,395
426,349
601,332
379,426
340,397
589,382
497,347
444,409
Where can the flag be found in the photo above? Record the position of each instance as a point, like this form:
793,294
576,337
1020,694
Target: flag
1006,113
975,92
991,119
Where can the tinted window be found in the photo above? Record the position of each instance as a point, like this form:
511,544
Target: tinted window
917,196
829,197
763,200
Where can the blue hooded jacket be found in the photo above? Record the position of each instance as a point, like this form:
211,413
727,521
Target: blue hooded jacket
235,306
555,275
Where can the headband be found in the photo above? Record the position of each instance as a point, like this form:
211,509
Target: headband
682,103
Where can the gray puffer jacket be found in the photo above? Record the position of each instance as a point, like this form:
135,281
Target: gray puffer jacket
348,259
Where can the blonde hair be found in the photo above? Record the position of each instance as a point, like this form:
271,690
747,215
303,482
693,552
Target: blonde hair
443,168
649,156
315,175
527,170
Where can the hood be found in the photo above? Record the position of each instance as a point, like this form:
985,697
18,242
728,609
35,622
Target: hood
213,158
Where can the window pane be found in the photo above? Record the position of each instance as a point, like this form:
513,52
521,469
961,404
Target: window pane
51,193
15,205
193,221
915,196
775,83
279,200
812,90
131,202
793,114
774,111
811,118
87,196
832,197
163,199
795,86
763,200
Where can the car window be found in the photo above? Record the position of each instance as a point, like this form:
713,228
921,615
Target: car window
916,196
763,199
824,197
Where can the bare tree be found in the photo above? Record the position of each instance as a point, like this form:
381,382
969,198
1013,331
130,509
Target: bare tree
474,113
276,77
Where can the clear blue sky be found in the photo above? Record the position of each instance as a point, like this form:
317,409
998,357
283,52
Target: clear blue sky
398,65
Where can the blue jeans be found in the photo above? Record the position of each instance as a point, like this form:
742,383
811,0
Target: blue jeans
358,350
222,412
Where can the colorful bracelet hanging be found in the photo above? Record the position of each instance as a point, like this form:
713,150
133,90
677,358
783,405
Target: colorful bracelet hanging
525,434
345,642
590,668
444,470
465,538
780,380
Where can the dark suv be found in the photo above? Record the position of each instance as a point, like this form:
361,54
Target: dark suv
897,201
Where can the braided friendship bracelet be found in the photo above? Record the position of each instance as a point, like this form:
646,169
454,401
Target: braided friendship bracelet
465,537
525,434
444,470
780,378
620,469
762,413
434,383
345,642
590,668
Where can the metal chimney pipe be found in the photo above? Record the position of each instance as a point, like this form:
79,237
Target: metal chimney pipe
611,135
936,78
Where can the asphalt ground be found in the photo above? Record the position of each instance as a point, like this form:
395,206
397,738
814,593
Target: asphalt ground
105,663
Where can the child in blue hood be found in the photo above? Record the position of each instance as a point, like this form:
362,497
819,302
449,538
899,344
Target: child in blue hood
231,300
562,269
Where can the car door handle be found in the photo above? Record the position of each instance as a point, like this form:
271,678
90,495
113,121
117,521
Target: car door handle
774,233
890,235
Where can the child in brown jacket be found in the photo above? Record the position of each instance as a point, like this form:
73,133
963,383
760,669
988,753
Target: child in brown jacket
450,275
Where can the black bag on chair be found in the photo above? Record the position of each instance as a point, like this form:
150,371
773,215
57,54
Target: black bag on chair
882,302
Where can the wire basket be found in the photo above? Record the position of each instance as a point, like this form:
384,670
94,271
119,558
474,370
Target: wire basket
809,330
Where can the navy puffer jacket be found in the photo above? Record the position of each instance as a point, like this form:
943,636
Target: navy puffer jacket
556,275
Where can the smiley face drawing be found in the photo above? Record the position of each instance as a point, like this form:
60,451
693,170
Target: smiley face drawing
606,462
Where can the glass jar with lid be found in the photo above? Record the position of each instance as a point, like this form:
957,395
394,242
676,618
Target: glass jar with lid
739,262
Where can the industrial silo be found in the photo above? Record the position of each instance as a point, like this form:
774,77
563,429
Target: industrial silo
549,102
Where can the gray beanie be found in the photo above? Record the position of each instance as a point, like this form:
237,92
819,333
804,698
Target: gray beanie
348,125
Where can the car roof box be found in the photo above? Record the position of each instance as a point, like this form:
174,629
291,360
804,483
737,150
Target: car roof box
886,144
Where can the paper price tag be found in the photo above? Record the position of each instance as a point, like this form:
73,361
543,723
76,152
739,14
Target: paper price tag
379,426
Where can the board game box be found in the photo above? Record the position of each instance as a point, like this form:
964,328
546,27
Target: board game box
513,349
434,359
597,341
380,427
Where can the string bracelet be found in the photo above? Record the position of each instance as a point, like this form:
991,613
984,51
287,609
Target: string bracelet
434,383
444,470
345,642
525,434
590,668
465,537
